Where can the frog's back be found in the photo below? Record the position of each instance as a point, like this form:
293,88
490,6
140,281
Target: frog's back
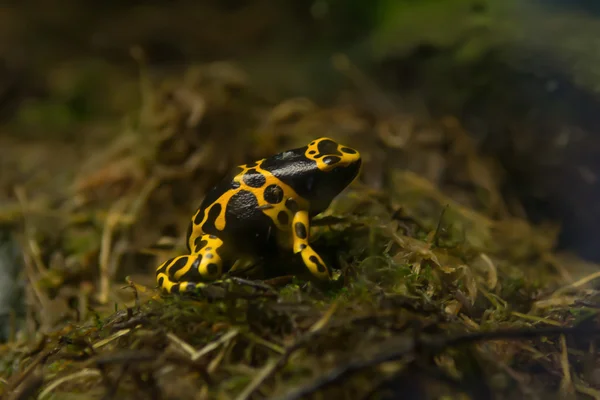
290,167
231,210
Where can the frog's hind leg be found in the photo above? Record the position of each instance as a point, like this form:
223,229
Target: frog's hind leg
314,262
188,272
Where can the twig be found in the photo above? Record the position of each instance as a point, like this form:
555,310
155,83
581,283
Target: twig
438,228
124,356
269,370
29,387
408,346
181,360
40,359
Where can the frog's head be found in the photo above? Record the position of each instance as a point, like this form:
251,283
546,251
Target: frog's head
337,167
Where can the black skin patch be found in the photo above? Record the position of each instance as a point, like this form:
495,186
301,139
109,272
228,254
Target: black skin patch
302,246
190,287
199,244
300,230
273,194
283,218
212,268
193,274
254,179
244,220
198,219
241,206
330,160
188,234
348,150
292,168
291,205
213,194
165,266
208,255
328,147
213,213
213,236
178,265
235,185
175,289
315,260
161,280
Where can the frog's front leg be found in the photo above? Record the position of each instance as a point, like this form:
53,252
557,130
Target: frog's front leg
187,273
301,232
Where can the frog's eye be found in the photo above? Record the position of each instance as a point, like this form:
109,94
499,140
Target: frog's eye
327,146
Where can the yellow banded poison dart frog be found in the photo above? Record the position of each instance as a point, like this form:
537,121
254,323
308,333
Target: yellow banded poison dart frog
261,204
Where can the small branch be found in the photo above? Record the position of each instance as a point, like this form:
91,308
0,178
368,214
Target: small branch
409,346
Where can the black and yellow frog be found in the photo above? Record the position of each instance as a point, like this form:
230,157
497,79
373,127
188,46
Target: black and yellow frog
260,205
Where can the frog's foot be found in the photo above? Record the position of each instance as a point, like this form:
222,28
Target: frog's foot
311,259
173,287
243,266
185,273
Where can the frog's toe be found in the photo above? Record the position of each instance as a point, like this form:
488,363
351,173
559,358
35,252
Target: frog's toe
315,263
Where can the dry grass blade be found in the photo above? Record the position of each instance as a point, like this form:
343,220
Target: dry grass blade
185,346
593,393
258,340
533,318
34,249
566,384
57,382
492,280
214,345
112,220
111,338
320,324
258,379
577,284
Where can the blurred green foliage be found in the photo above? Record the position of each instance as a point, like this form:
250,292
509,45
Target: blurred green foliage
532,35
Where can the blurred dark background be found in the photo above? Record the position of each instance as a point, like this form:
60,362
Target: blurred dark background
520,75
